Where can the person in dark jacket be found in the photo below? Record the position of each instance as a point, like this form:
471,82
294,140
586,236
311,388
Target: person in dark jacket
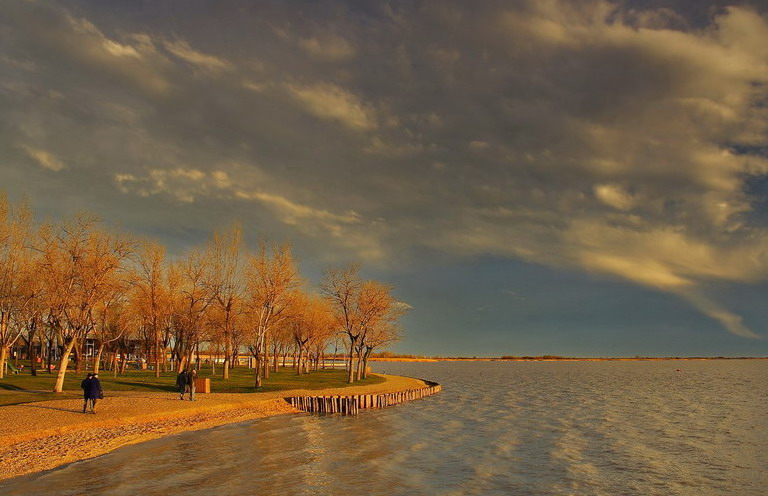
191,376
85,385
91,392
181,383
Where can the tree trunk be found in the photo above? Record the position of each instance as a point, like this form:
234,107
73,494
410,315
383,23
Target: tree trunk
33,359
97,359
297,365
365,362
3,358
359,365
258,371
227,353
48,357
265,365
63,363
351,375
79,355
275,359
157,353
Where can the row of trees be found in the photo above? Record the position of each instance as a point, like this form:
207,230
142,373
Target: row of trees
64,283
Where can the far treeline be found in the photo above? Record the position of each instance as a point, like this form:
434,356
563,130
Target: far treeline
64,283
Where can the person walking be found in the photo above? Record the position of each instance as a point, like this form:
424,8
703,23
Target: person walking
181,383
86,386
91,392
96,392
191,376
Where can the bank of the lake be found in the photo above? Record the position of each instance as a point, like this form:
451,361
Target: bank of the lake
40,436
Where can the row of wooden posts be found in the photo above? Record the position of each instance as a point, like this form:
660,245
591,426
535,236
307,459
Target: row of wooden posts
353,403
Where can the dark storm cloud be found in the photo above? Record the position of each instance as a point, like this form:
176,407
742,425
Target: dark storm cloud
590,135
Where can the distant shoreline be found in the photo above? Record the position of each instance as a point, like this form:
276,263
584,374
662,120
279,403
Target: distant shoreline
552,359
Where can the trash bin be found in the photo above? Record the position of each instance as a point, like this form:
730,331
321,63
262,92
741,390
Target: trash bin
202,385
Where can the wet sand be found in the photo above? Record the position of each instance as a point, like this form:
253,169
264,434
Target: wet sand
41,436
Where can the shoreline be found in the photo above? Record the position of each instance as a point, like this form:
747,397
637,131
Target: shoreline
37,437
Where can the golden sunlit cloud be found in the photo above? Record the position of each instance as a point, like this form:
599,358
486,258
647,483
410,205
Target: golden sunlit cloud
44,158
331,102
181,49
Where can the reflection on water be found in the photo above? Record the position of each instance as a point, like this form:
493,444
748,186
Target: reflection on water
538,428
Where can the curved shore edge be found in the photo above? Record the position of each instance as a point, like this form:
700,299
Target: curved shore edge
36,437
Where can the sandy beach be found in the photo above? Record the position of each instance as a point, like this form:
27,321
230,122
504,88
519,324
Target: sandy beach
41,436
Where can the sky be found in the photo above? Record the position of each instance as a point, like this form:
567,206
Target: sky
580,178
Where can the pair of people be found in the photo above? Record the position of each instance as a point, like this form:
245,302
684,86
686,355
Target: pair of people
185,382
91,391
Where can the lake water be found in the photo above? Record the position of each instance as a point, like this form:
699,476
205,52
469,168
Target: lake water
498,428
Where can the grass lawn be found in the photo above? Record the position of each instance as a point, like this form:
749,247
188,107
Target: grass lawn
25,388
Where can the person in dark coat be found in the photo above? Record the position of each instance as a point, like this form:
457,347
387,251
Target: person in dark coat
181,383
91,392
191,376
85,385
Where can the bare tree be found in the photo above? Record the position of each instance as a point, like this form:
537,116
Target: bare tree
110,315
223,281
271,276
78,261
374,310
385,331
18,287
311,321
150,281
192,304
342,286
361,308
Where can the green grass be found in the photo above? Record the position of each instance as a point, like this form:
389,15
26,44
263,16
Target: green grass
25,388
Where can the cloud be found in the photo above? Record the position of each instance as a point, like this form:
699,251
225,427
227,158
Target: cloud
331,102
182,184
328,47
44,158
732,322
347,229
292,213
614,196
61,42
181,49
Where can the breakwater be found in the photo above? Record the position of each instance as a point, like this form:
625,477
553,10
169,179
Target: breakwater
352,404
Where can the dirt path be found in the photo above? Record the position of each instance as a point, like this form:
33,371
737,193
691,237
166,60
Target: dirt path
41,436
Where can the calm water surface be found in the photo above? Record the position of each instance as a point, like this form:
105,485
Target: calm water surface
498,428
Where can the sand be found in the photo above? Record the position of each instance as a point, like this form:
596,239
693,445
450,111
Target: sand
41,436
